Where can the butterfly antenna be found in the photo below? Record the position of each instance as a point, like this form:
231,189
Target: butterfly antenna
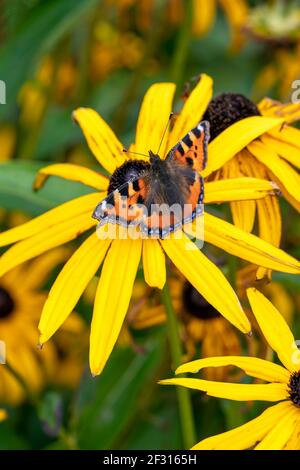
135,153
166,128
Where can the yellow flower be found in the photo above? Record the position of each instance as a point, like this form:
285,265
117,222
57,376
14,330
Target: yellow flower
121,258
246,143
278,427
21,301
200,323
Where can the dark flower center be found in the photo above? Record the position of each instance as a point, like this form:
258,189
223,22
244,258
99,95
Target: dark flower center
129,170
226,109
196,305
6,303
294,388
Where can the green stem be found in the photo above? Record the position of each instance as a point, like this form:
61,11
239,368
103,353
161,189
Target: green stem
182,45
183,394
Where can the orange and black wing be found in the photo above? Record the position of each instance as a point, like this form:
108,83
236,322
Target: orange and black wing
194,203
125,205
191,151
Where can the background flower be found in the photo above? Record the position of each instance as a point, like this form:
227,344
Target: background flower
277,427
21,300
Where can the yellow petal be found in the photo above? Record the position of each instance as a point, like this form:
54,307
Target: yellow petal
63,213
51,237
285,150
3,415
101,139
269,220
192,110
238,189
11,390
207,278
204,16
233,391
243,214
252,366
153,118
154,264
247,246
287,134
29,368
112,299
70,283
294,441
71,172
274,328
290,112
235,138
245,436
279,435
289,198
287,176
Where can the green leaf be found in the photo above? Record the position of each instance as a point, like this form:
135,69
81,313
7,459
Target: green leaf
16,180
106,405
46,24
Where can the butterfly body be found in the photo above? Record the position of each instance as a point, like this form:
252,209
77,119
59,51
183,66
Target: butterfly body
141,193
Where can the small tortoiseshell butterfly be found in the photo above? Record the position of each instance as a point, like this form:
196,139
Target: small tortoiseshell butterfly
138,184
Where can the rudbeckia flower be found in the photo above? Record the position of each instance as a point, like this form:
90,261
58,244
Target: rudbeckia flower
25,369
121,257
245,143
278,427
200,323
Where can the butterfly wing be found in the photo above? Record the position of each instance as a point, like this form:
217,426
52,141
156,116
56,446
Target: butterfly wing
190,157
191,151
125,205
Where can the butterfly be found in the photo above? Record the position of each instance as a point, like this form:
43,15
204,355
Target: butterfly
139,189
